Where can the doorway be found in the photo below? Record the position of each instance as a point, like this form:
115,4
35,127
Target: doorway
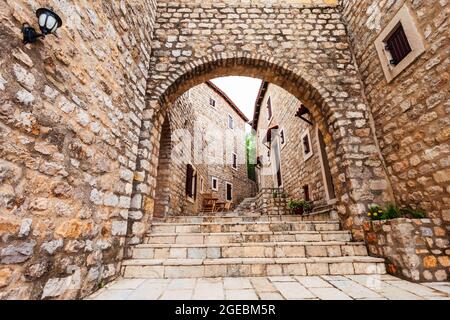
162,197
325,164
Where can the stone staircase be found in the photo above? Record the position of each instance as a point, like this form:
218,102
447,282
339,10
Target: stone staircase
249,245
247,205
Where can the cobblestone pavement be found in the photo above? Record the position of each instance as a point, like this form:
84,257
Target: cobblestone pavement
377,287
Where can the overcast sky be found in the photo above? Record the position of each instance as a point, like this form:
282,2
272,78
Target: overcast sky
242,90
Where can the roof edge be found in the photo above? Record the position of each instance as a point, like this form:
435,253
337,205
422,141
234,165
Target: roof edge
259,99
228,100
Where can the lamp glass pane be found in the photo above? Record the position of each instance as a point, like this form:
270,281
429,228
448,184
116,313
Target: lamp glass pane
51,22
42,18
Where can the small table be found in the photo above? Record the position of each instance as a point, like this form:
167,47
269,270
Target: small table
220,206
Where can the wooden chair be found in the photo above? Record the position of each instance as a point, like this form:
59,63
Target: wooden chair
228,206
209,203
220,206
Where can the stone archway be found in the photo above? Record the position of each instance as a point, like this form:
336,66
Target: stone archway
353,155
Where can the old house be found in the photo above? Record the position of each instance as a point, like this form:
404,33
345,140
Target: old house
202,153
291,150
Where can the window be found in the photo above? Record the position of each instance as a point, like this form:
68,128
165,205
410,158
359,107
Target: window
307,147
191,182
399,44
212,102
282,137
269,109
229,191
235,161
230,122
202,187
306,193
214,184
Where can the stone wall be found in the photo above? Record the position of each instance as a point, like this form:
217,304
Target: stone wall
411,114
70,114
296,171
302,48
272,202
259,2
415,249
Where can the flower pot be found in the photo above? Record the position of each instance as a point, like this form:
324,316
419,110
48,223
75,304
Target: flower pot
298,211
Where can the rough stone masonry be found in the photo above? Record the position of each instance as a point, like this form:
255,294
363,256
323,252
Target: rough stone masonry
81,116
70,114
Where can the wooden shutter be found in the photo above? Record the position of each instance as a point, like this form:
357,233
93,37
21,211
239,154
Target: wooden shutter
306,192
229,192
269,109
189,177
398,45
195,186
306,146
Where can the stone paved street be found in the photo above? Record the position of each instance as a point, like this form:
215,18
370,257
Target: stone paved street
378,287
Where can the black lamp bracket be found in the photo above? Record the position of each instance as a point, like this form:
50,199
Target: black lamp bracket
29,34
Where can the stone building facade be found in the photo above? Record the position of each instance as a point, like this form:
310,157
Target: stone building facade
410,113
302,166
204,129
81,117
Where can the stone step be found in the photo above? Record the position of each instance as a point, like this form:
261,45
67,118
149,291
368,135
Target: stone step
250,250
249,237
246,226
251,267
318,216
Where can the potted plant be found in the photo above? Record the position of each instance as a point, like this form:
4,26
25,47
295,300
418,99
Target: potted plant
299,207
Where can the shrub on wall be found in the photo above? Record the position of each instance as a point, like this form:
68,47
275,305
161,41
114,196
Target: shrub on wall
391,211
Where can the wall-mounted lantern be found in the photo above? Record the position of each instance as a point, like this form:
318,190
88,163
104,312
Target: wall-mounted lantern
49,22
302,112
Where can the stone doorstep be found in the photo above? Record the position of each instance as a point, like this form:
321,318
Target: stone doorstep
234,261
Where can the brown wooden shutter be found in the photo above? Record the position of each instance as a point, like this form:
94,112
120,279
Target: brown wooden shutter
269,108
195,187
306,146
229,192
398,45
306,192
189,177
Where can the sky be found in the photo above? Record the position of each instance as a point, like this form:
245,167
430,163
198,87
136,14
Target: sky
242,90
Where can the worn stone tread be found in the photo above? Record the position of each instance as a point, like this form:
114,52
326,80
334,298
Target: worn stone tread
251,244
222,261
